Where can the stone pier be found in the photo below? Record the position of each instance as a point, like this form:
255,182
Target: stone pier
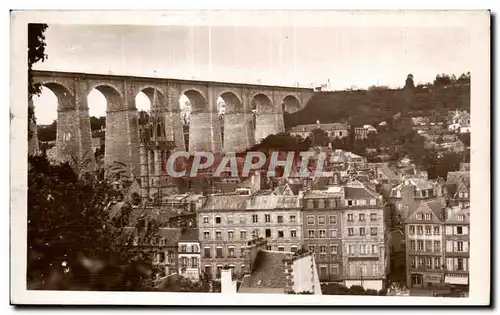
204,132
238,132
268,124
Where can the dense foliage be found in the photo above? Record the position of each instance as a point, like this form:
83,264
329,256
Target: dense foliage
340,289
72,243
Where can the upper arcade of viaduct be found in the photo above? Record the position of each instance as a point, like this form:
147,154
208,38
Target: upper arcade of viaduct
122,129
72,90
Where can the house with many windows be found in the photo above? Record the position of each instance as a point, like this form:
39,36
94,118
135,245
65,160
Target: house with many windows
456,238
189,254
322,233
364,235
228,221
424,246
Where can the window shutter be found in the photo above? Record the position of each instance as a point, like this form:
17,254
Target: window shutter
466,247
465,264
465,230
455,246
449,246
449,263
449,230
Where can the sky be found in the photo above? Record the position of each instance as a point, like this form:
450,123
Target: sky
344,56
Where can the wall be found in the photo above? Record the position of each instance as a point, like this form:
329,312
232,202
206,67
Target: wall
305,275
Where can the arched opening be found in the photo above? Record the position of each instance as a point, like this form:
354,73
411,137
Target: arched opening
268,119
221,110
291,104
262,104
97,104
53,97
190,102
237,125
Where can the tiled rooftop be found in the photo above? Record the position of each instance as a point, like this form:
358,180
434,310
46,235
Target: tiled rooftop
268,272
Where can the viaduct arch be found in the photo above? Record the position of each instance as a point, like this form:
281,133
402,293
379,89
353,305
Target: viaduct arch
122,128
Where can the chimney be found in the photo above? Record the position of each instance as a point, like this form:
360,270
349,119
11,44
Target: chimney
251,250
300,199
228,286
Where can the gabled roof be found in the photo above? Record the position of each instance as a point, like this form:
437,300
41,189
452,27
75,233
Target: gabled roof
268,273
434,207
457,177
189,235
453,213
359,193
387,172
294,188
226,202
171,235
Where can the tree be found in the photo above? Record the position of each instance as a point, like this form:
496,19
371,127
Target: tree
72,242
36,52
319,137
96,123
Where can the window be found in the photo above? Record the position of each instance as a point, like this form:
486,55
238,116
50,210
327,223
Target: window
428,230
280,219
437,230
350,217
281,249
206,235
349,203
449,263
350,231
184,262
321,220
242,251
322,233
361,217
322,271
350,249
161,257
362,231
311,233
334,249
218,252
332,219
412,261
420,230
437,246
460,246
205,220
293,249
255,218
363,249
183,248
420,245
459,230
333,233
268,247
292,218
281,233
230,219
428,262
335,270
419,216
373,217
268,232
194,262
293,233
255,233
312,248
217,220
243,219
218,235
449,230
428,216
428,246
322,250
437,263
310,220
230,235
412,229
460,264
230,252
243,235
267,218
374,249
420,262
153,241
162,242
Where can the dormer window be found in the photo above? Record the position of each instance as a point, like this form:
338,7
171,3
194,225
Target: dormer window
461,217
419,216
427,216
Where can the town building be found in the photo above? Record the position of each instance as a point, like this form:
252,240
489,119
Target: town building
365,257
456,238
407,196
228,221
333,130
322,230
189,254
361,133
424,246
460,122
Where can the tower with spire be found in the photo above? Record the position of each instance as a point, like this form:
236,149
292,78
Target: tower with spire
156,143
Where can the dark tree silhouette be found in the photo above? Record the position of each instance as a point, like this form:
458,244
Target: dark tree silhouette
36,52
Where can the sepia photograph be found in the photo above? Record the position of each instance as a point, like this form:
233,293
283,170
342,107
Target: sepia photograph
246,157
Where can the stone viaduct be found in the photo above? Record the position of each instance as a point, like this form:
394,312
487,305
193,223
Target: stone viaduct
122,130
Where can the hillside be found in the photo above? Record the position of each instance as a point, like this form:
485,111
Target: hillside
376,105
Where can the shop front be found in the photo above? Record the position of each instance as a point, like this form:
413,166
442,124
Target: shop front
457,279
431,280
